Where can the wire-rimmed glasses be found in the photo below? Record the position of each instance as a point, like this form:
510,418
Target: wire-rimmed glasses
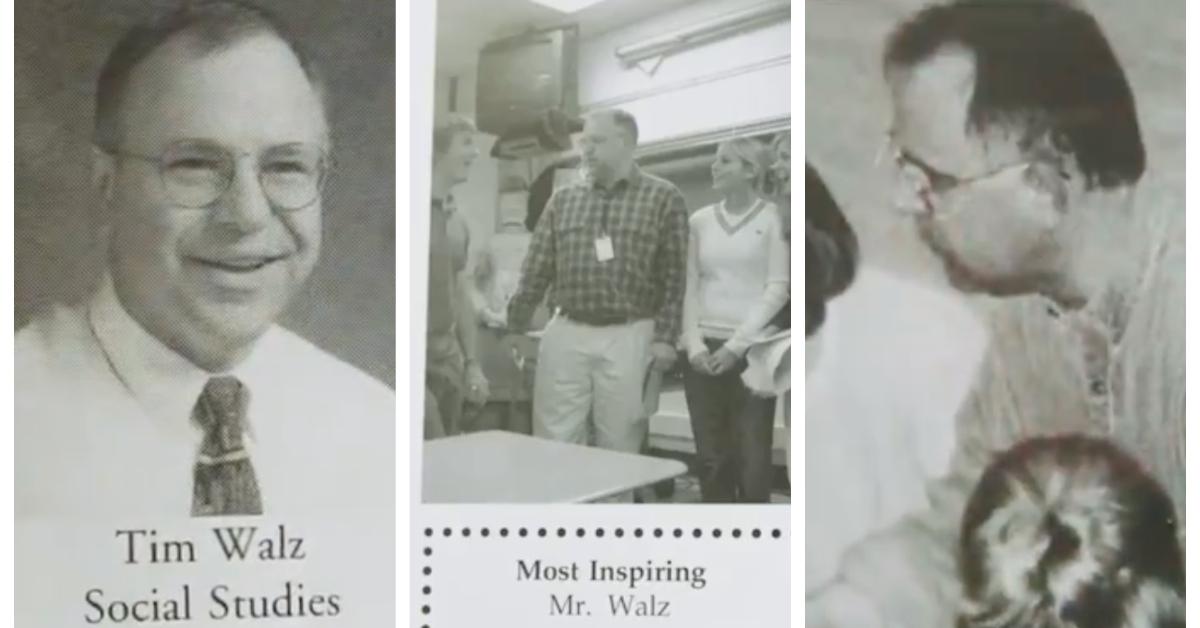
923,181
196,173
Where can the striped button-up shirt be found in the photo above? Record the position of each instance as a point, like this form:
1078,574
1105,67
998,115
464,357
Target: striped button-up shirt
646,219
1113,369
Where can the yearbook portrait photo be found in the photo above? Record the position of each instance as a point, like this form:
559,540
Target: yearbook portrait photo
204,272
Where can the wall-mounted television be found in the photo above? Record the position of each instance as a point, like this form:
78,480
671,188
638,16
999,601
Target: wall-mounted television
521,78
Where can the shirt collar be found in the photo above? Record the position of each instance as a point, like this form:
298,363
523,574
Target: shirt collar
1151,234
163,382
1110,308
630,177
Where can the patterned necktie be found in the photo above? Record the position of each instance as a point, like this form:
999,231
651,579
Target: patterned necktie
224,481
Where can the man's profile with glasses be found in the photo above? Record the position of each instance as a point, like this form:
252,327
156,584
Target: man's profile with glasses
1018,151
172,391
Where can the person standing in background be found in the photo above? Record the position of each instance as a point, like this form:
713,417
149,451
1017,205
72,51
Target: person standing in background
613,248
737,280
779,191
766,362
452,370
508,366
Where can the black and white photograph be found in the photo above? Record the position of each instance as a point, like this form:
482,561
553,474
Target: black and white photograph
608,312
204,259
994,323
204,235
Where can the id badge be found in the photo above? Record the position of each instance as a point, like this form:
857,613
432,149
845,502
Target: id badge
604,248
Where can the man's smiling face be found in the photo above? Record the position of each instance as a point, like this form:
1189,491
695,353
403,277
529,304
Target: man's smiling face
217,275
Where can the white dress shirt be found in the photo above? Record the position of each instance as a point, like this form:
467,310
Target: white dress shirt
884,377
104,428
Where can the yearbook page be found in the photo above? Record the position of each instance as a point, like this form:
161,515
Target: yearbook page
600,239
204,299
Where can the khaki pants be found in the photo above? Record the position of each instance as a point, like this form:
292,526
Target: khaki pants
598,371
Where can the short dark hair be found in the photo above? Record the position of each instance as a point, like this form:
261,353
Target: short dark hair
830,250
1043,66
622,119
214,24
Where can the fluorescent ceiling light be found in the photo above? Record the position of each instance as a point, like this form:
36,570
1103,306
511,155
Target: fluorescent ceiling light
567,6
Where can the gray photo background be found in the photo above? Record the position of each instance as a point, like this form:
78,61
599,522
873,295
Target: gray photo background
847,111
348,308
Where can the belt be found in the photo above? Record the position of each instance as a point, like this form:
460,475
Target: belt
597,320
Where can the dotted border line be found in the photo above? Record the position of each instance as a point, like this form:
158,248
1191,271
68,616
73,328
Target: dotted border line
599,533
426,589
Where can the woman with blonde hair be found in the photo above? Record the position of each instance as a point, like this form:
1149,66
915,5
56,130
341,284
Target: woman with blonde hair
737,280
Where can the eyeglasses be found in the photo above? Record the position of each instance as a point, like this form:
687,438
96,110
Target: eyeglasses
923,180
195,173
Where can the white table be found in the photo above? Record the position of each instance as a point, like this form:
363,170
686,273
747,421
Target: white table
503,467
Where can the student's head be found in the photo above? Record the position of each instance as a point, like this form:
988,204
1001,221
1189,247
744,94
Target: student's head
1069,530
454,149
211,152
830,250
1008,118
741,164
608,143
779,183
781,166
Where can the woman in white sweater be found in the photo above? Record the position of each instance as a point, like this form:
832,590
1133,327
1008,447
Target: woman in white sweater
737,280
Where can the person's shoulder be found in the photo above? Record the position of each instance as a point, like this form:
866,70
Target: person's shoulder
771,213
57,334
703,216
654,180
62,388
910,318
566,196
576,186
456,221
658,184
915,299
319,407
307,362
768,218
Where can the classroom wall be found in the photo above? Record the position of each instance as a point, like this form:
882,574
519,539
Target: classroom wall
665,103
738,80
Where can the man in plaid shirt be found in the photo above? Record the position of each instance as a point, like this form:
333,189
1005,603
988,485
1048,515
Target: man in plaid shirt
614,249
